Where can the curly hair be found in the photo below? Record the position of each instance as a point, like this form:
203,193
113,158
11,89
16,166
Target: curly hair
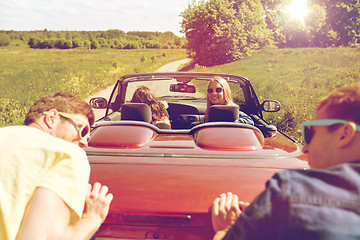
145,95
63,102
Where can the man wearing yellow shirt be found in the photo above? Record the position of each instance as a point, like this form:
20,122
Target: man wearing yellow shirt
44,174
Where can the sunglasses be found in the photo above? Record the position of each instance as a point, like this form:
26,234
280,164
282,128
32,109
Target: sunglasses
84,131
308,131
218,90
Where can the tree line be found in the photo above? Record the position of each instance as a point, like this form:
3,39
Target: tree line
222,31
117,39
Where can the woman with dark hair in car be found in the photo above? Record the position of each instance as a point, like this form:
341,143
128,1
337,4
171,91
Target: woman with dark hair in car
219,93
158,109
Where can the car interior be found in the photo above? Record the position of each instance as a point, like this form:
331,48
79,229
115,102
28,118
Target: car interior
185,110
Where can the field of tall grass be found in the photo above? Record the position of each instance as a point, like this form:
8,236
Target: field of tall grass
298,78
26,74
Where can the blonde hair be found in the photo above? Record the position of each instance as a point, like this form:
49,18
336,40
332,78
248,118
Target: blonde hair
227,93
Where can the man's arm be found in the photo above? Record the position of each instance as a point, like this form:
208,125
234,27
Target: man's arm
47,216
225,211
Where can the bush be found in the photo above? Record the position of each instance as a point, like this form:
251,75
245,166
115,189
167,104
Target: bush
102,42
4,39
77,43
64,44
87,44
94,44
11,112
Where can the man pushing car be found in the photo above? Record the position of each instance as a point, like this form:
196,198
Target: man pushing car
44,174
320,203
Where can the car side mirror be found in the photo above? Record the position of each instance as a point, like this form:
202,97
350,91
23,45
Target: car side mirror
98,103
270,106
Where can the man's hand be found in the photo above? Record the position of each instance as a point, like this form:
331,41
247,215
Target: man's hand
225,211
97,203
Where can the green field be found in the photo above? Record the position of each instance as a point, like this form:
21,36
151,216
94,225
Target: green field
26,74
298,78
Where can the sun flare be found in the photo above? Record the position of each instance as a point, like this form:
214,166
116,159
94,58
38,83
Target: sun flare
298,9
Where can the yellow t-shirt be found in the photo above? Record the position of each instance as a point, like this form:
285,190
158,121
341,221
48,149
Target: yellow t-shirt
31,158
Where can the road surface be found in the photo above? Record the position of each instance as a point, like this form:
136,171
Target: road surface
170,67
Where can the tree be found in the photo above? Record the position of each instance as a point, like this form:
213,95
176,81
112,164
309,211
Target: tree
344,18
251,14
221,31
213,32
328,23
275,19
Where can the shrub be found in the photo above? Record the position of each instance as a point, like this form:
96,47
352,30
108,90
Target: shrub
11,112
4,39
87,44
77,43
94,44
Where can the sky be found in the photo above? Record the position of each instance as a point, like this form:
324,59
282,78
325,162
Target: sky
92,15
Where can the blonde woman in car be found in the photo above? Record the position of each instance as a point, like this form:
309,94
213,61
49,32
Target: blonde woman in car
219,93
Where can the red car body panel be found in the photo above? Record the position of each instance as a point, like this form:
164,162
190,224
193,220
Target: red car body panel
165,189
164,181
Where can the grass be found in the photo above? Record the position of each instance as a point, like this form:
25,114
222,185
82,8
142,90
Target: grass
298,78
26,74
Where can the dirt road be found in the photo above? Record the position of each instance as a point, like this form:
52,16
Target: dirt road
170,67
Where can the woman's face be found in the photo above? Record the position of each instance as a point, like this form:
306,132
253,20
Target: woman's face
216,93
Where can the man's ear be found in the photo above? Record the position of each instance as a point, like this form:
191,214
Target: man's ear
51,117
347,134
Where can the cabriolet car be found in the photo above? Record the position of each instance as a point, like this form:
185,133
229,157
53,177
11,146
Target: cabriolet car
164,180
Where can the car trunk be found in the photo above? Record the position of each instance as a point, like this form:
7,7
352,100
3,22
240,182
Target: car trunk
164,190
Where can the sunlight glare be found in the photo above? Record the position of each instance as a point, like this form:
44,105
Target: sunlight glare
298,9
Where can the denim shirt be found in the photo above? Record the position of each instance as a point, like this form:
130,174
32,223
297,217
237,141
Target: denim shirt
244,118
306,205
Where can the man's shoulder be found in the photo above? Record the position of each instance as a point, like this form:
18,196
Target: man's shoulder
33,138
325,182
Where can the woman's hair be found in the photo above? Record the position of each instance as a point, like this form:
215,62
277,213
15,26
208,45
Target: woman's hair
145,95
227,93
226,88
63,102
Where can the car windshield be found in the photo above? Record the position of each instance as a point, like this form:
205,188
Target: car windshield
161,88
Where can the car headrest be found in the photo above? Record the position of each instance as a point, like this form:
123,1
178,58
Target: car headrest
136,112
223,113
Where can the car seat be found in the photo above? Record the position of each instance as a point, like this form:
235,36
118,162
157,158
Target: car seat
223,113
136,112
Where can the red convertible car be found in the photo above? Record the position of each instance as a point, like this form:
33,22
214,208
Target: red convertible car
165,179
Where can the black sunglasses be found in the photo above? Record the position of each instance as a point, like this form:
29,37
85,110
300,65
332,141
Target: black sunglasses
218,90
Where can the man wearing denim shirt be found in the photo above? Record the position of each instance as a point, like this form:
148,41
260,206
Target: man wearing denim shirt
320,203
